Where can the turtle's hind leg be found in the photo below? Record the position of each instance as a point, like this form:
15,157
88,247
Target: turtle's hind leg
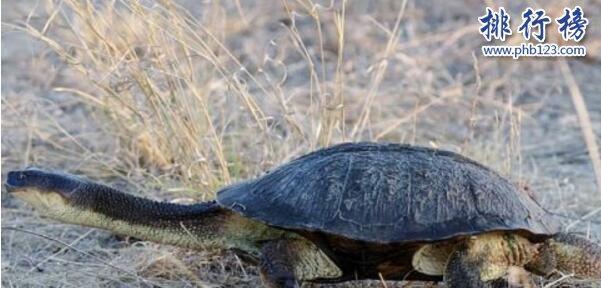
484,261
572,254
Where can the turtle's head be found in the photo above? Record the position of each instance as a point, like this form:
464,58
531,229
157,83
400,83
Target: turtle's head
50,192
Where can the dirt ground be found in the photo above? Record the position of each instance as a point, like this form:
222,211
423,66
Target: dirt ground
171,101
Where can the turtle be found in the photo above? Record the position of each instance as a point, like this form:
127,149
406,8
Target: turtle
346,212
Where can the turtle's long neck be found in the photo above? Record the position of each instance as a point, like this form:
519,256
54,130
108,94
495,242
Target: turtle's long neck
199,226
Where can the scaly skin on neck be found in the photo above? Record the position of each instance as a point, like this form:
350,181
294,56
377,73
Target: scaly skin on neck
198,226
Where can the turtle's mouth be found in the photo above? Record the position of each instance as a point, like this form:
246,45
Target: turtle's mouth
10,188
17,190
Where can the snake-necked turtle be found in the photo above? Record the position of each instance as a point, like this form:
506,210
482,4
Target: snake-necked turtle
351,211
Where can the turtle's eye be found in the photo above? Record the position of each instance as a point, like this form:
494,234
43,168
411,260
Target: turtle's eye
16,178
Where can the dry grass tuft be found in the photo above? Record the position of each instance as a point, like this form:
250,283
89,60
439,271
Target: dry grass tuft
185,97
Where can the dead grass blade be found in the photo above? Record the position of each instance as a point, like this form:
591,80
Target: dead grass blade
379,74
584,119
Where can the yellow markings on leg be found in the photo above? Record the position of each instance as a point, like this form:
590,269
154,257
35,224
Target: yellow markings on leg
497,251
309,262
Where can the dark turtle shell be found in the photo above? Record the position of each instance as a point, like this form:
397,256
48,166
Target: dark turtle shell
387,193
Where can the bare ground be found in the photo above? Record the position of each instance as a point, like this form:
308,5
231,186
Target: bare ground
69,83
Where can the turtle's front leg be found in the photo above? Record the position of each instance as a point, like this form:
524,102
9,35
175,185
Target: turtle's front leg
286,262
276,266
